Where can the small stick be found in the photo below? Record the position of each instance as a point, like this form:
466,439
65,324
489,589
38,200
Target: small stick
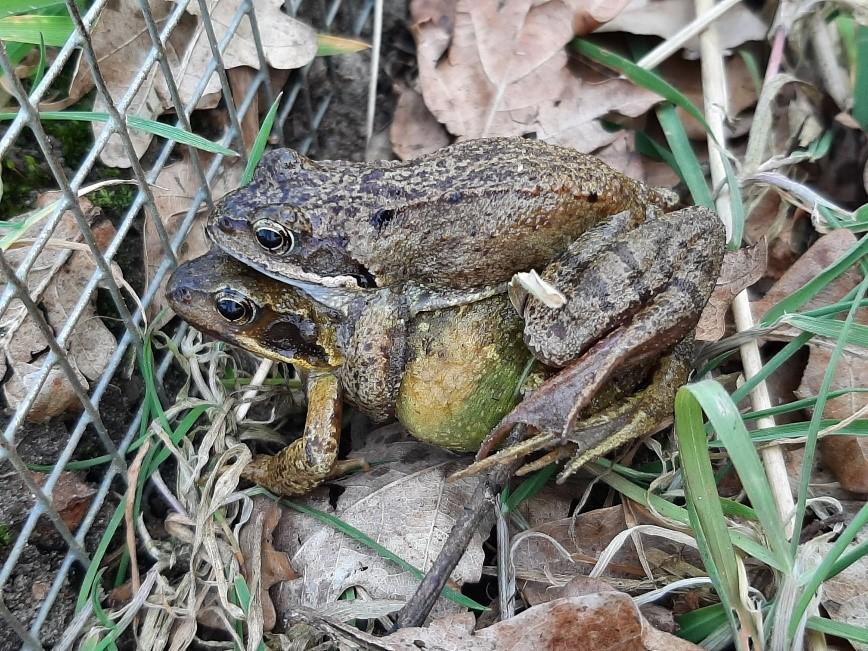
420,604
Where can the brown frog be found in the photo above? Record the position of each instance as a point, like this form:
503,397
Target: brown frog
448,375
457,222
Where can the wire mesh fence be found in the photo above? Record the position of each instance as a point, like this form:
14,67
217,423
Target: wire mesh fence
45,549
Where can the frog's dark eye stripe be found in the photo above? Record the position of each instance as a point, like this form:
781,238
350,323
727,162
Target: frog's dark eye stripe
234,307
273,237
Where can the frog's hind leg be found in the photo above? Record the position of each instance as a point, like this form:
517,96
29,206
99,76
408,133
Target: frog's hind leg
308,461
632,417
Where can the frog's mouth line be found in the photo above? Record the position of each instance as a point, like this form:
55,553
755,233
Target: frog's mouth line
336,292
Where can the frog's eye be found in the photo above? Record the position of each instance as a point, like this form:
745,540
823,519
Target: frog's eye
273,237
234,307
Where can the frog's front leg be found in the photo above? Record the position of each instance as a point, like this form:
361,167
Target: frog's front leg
308,461
639,294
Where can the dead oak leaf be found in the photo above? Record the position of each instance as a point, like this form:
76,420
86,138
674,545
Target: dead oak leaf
740,270
500,69
287,42
603,620
174,191
405,503
122,45
415,131
664,18
274,565
55,284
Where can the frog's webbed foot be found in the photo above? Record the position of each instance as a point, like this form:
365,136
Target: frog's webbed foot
308,461
638,415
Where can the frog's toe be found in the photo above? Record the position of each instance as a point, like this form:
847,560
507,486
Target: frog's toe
509,454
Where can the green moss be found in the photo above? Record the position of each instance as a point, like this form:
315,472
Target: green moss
114,199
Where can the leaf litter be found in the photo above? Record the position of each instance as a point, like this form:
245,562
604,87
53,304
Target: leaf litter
467,88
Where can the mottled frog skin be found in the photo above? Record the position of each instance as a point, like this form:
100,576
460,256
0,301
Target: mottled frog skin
462,218
448,375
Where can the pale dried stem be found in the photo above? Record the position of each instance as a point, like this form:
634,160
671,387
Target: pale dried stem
256,381
715,92
375,68
692,29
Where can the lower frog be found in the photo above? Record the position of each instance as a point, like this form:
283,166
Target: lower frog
448,375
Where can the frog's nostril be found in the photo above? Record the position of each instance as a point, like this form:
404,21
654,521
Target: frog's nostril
180,295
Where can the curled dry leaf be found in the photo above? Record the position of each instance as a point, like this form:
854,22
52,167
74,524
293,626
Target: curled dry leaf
55,284
602,620
71,496
174,190
500,69
845,456
740,270
845,596
121,43
664,18
274,565
584,537
404,503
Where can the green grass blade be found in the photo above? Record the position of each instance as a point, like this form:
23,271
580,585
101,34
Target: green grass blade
860,91
640,76
528,488
824,570
55,30
801,296
839,629
367,541
12,7
260,142
40,67
688,164
142,124
328,45
696,625
704,510
89,584
676,513
736,203
727,423
857,334
753,69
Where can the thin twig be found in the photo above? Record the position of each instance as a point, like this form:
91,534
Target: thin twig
375,70
256,382
423,600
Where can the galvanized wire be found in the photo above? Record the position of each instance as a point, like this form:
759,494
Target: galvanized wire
102,276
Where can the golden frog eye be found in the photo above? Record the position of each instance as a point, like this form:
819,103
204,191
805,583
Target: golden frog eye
234,307
273,237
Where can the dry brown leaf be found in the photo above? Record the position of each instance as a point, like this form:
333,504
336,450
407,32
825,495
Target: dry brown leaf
121,42
740,270
55,284
686,76
846,457
845,596
174,190
787,235
414,130
665,17
500,69
584,538
275,565
823,253
603,620
71,496
404,503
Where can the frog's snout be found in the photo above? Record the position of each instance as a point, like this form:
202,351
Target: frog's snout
231,226
177,292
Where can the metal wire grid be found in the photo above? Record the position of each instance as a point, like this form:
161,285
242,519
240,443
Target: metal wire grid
298,102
